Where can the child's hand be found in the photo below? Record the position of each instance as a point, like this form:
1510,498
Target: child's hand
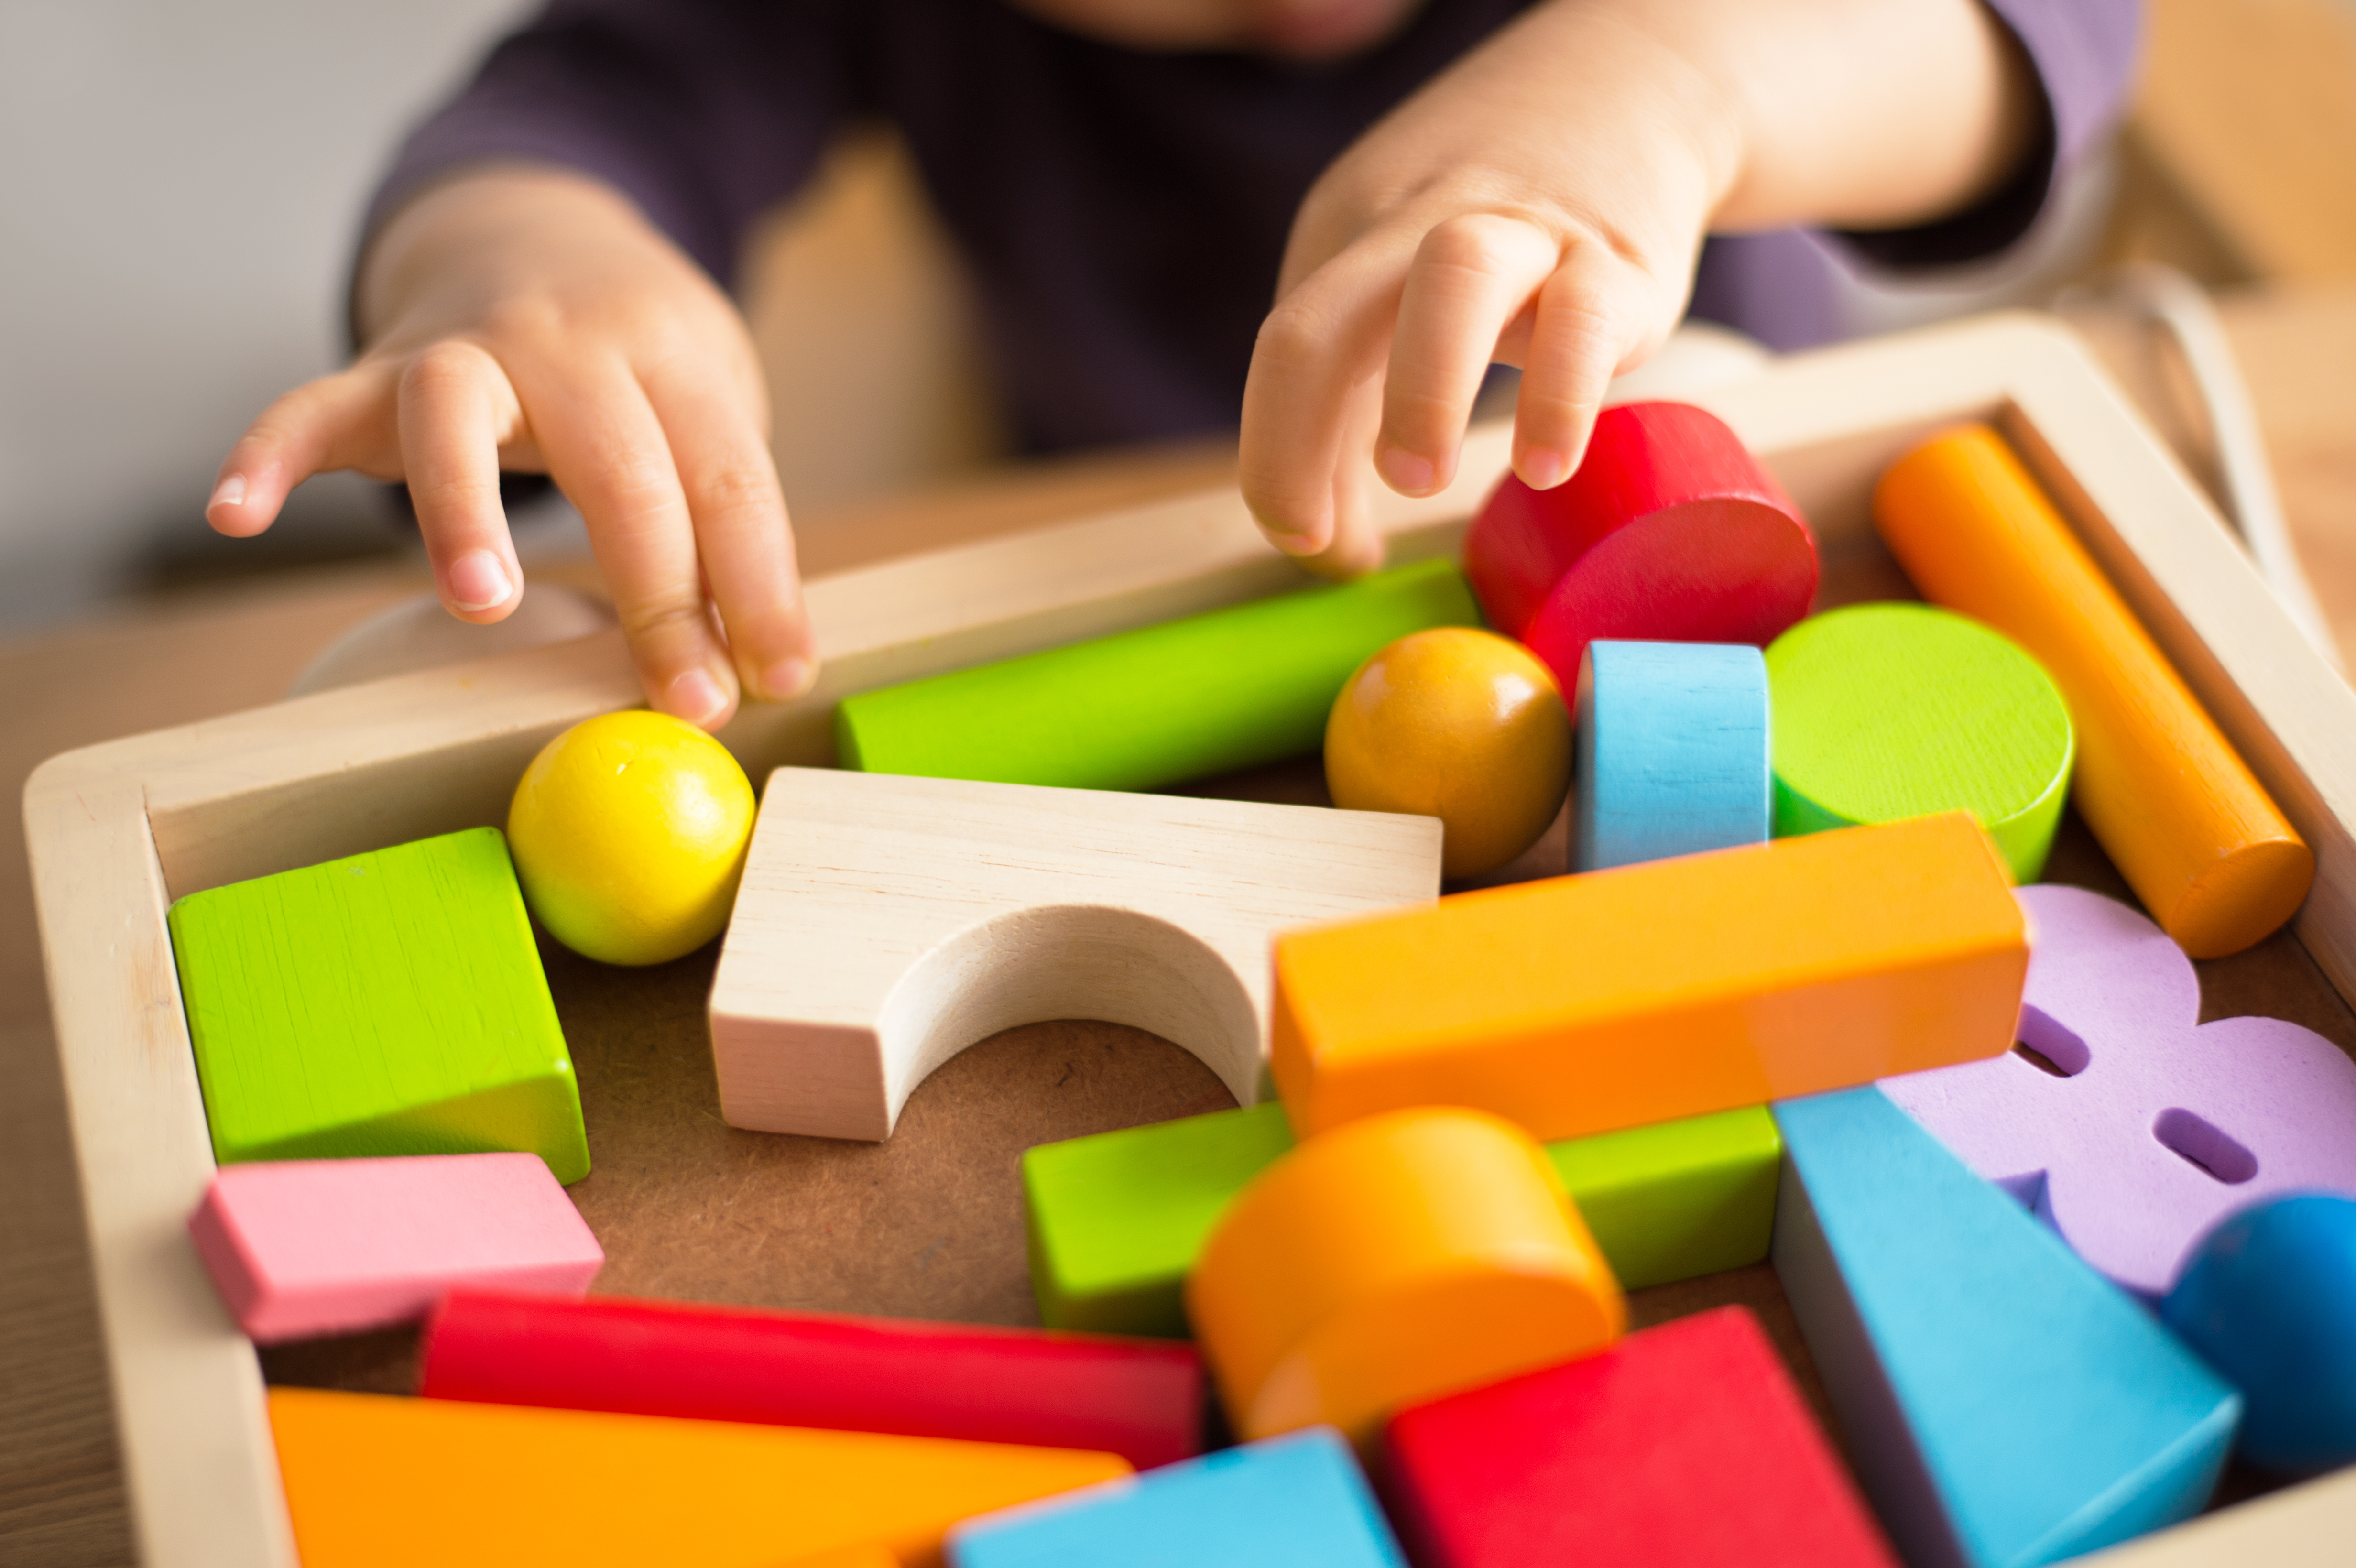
1542,203
534,321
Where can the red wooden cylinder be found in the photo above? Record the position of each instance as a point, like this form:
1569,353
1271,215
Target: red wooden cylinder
1670,531
1142,1399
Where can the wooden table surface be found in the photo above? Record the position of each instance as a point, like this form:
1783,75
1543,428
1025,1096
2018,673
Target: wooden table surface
61,1496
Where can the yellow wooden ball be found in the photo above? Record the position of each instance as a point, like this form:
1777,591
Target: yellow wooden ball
1460,724
629,832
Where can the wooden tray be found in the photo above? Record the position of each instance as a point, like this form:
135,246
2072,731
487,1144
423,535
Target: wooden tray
118,830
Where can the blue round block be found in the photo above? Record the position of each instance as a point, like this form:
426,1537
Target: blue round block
1673,755
2269,1298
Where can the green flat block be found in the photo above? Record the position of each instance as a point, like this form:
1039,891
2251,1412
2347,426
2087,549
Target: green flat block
1233,689
1116,1221
391,1003
1680,1198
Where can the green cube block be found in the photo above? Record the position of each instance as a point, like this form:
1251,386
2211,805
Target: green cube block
1116,1221
390,1003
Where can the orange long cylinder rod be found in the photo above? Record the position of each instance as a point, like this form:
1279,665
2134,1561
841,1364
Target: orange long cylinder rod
2203,845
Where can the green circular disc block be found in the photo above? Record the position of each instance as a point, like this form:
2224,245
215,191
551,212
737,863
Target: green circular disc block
1886,711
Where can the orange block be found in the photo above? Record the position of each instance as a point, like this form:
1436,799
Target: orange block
1400,1258
1645,993
372,1479
2215,862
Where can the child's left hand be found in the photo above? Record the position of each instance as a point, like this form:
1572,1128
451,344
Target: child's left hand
1542,204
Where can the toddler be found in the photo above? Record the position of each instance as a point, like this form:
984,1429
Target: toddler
1421,189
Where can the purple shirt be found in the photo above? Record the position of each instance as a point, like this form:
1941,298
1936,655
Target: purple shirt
1122,215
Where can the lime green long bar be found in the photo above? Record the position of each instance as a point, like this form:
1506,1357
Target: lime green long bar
1115,1221
1232,688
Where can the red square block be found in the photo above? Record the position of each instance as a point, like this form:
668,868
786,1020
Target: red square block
1684,1444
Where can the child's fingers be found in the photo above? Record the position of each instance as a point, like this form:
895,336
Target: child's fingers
456,409
1584,329
741,532
344,421
1324,339
1356,549
607,450
1470,277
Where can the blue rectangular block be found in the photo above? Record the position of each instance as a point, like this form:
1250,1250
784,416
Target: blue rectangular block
2005,1404
1294,1502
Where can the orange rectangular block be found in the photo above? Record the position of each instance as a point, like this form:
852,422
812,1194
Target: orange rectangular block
1621,997
375,1481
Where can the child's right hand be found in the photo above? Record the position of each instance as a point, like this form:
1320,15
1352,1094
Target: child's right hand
533,320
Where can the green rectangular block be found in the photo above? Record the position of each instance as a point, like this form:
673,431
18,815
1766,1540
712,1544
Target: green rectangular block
390,1003
1677,1199
1116,1221
1139,711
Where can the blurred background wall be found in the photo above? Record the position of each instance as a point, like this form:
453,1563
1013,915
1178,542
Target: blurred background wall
178,187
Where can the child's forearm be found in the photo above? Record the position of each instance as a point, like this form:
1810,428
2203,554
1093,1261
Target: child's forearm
1852,114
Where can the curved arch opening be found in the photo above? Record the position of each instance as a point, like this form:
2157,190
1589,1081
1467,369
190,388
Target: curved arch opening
1068,961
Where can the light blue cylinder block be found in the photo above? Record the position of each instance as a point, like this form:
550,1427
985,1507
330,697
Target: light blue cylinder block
1673,752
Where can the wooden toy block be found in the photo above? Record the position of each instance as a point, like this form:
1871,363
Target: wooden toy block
2269,1299
2004,1405
1669,532
2143,1127
1233,689
391,1003
376,1480
1684,1446
1459,723
1116,1221
1645,993
1295,1502
1391,1261
1886,711
886,923
1143,1400
2195,834
306,1247
1672,752
1677,1200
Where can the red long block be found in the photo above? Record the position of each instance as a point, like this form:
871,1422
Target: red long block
1670,532
1686,1444
1142,1399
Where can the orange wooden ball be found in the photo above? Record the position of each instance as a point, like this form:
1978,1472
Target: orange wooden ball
1460,724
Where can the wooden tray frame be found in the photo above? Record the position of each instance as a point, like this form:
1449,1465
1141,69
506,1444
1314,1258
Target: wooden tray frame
118,830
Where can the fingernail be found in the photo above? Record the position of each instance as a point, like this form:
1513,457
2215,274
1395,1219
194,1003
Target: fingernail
229,492
787,679
696,697
1404,471
1543,467
477,581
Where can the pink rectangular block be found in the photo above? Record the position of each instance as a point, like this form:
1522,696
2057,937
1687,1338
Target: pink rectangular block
305,1247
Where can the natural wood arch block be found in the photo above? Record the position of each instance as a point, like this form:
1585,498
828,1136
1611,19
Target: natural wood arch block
886,923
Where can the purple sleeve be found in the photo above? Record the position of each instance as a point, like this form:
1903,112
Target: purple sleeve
1794,288
704,113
